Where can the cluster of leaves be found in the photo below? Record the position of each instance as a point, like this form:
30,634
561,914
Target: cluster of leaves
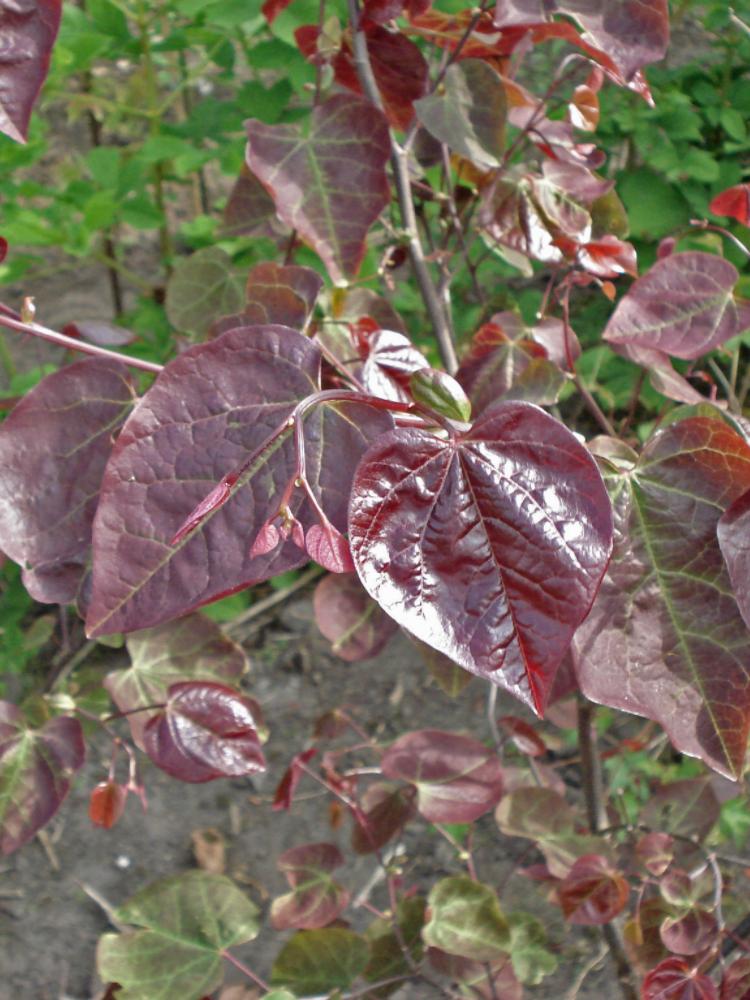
306,424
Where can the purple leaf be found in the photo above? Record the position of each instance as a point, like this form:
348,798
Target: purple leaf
386,808
316,900
688,807
28,29
348,617
735,983
734,540
691,933
592,893
489,546
329,548
36,766
283,294
682,306
665,638
327,182
249,205
205,731
189,649
284,795
390,360
457,778
675,979
53,450
212,408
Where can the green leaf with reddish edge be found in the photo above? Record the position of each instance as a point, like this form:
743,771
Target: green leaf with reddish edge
468,112
386,809
205,731
665,638
191,648
688,807
457,778
184,924
201,287
356,626
489,546
36,766
315,900
320,961
212,408
327,179
682,306
28,32
53,450
465,919
692,933
494,980
387,957
735,983
676,979
441,393
532,960
593,892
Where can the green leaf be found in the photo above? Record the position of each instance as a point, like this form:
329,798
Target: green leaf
532,960
188,920
202,288
321,960
466,920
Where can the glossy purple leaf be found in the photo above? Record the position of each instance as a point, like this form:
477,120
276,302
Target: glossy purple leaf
28,29
390,358
209,411
347,616
457,778
675,979
386,808
53,450
205,731
315,900
734,541
665,638
328,547
36,767
489,546
682,306
189,649
633,34
592,893
327,181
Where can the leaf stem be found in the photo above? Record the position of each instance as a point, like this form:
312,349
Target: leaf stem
76,345
591,403
246,970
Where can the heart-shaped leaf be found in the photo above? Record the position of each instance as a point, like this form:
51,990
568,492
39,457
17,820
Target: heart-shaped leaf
457,778
489,546
184,924
692,933
665,638
347,616
655,852
202,287
465,919
316,899
674,979
189,649
28,31
390,360
205,731
592,893
468,112
320,961
331,209
36,766
53,450
283,294
218,408
688,808
682,306
385,809
529,950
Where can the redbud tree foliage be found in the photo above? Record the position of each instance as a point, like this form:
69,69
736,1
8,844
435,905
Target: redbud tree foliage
469,490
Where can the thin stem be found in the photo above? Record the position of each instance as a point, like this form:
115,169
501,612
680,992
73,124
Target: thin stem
77,345
260,607
245,970
724,382
738,22
591,403
400,168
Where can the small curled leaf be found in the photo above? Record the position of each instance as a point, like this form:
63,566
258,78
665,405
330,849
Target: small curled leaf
441,393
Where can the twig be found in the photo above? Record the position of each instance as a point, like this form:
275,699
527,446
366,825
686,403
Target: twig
738,22
245,969
49,849
273,599
400,168
588,968
104,905
591,403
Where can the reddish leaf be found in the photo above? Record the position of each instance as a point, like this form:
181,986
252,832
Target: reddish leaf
592,892
356,626
682,306
399,68
107,804
272,8
53,450
583,110
665,638
608,257
690,934
248,207
386,809
284,795
734,540
209,411
283,294
329,548
523,736
316,899
735,984
457,779
381,11
3,248
486,980
688,807
734,202
188,649
28,32
489,546
205,731
36,767
674,979
389,360
331,209
448,31
655,852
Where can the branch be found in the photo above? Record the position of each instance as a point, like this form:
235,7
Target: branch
400,168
